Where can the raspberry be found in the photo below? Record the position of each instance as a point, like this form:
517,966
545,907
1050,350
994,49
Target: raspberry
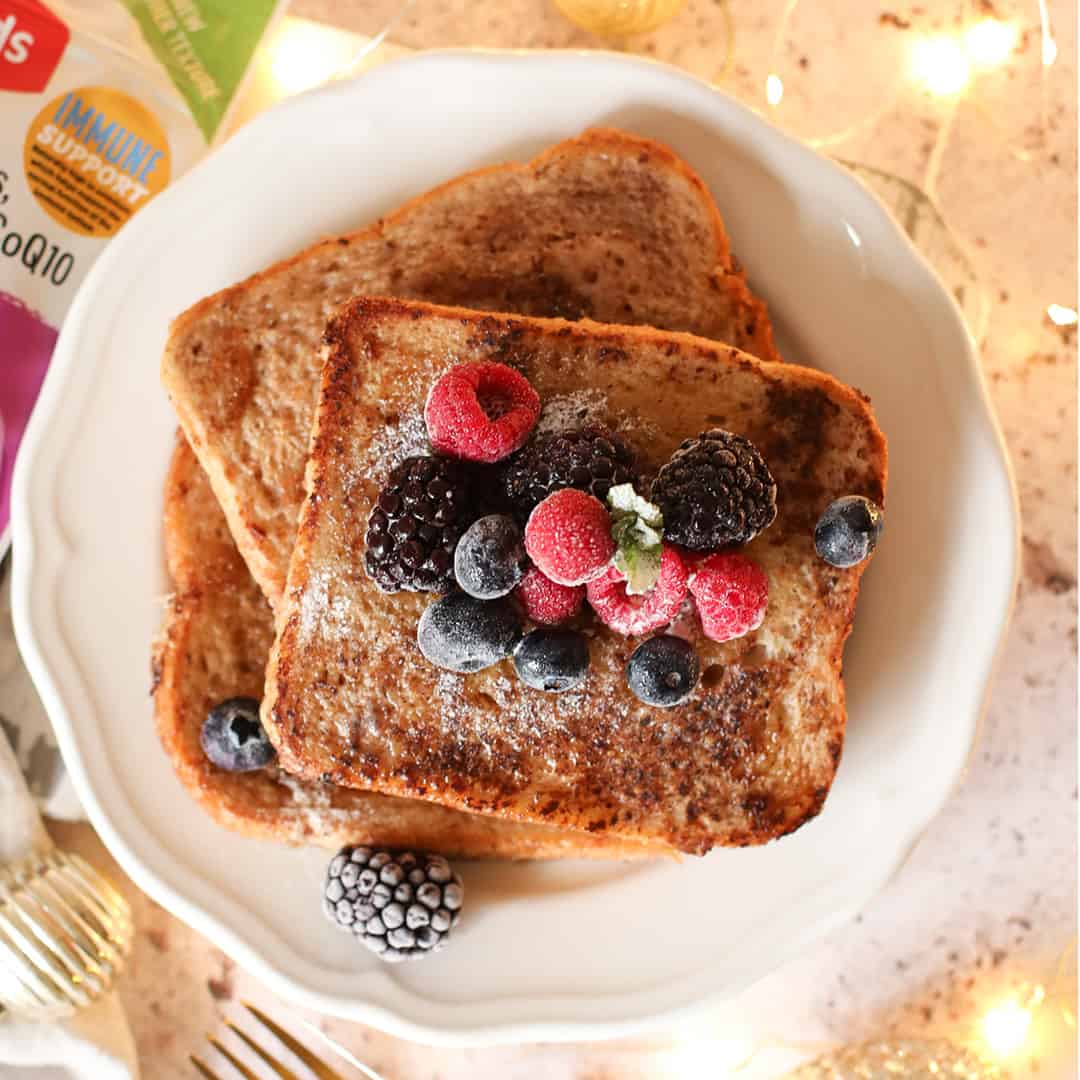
636,615
732,593
546,601
569,537
481,411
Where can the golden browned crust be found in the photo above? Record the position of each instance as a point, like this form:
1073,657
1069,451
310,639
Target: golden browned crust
217,633
750,757
607,226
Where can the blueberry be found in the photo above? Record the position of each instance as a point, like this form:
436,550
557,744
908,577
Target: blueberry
233,738
490,558
848,530
663,671
464,634
552,660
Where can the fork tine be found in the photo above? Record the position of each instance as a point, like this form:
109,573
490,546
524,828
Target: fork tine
319,1068
342,1052
281,1070
235,1062
203,1069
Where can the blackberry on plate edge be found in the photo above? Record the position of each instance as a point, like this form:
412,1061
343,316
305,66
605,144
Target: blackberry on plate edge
401,904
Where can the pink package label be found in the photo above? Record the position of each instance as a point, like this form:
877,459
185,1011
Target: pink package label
26,345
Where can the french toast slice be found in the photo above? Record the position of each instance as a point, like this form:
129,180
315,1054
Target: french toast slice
749,757
607,226
217,634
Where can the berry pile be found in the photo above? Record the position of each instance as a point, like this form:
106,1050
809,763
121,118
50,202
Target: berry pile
570,528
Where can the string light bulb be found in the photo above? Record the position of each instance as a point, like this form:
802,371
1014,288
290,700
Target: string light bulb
1005,1027
303,54
941,65
990,42
774,89
704,1057
1062,316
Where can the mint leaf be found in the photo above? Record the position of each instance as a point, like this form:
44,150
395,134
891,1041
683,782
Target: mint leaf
623,499
637,529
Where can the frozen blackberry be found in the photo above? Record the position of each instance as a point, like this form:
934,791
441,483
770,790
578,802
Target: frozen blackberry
415,525
400,904
590,459
460,633
715,491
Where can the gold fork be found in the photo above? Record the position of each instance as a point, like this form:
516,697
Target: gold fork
64,935
318,1068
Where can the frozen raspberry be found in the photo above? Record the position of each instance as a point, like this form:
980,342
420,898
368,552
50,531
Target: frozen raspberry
636,615
481,411
546,601
569,537
732,593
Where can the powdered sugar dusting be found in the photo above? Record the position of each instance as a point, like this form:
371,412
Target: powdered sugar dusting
324,610
564,412
395,442
305,794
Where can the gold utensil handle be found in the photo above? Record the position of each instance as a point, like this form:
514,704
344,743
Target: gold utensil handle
64,935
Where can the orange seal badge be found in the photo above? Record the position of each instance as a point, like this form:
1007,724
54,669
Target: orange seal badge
94,156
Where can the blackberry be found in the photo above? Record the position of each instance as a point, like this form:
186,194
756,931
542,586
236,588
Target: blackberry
415,525
590,459
401,905
715,491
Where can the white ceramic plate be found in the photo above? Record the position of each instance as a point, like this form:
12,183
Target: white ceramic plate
546,952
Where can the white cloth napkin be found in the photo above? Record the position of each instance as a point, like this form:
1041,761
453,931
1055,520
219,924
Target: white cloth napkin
95,1044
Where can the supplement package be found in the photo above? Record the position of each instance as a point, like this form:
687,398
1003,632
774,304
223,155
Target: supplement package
102,104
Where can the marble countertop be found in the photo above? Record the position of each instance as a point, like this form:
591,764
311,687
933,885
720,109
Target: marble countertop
987,904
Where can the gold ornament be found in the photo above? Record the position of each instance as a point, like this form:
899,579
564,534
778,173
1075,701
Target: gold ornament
905,1059
617,18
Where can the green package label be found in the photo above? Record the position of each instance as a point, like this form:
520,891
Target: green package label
206,46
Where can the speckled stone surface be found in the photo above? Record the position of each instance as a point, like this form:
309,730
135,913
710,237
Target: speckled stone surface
987,902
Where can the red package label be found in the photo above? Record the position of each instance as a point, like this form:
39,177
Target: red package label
32,41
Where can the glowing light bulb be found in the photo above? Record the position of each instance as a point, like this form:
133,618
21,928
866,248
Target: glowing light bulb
774,90
1049,51
989,42
304,54
1005,1028
940,65
705,1055
1061,315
